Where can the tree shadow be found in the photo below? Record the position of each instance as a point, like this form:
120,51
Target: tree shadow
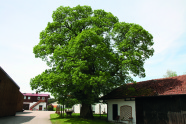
15,119
23,112
76,119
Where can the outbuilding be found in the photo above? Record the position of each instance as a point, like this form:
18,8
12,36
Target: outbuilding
158,101
97,108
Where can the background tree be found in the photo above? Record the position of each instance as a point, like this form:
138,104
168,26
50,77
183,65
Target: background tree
51,100
170,73
89,52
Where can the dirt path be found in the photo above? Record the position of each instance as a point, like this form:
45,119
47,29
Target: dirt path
28,117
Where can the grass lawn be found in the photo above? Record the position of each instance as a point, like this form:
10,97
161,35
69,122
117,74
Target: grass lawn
75,119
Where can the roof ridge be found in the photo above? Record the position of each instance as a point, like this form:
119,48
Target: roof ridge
36,93
161,78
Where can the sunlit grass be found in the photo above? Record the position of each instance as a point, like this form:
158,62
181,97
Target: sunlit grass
76,119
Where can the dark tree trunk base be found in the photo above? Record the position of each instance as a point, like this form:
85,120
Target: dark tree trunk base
86,111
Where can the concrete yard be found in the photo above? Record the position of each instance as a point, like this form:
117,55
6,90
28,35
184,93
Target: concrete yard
28,117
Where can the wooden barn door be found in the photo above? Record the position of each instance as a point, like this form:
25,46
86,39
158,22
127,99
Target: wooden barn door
139,111
152,110
114,111
154,113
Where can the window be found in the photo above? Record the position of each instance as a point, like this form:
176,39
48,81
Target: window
38,98
129,99
125,112
24,97
43,98
29,97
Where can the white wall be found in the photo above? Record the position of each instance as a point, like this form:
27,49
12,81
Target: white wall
103,108
120,103
37,106
31,104
94,108
76,108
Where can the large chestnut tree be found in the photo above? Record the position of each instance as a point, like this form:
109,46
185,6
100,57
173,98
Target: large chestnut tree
89,52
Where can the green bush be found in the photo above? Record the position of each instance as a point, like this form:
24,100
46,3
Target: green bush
54,109
50,107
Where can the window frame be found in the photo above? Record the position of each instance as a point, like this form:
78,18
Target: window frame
123,110
38,98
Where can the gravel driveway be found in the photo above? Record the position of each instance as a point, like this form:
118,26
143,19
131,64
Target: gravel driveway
28,117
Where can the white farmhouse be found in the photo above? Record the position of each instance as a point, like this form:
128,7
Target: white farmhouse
98,108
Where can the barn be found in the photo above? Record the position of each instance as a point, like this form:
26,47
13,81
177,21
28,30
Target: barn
158,101
11,99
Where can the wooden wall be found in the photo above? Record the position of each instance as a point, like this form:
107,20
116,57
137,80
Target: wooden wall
20,102
34,99
161,110
9,93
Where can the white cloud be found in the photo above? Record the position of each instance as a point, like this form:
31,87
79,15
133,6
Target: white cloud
165,20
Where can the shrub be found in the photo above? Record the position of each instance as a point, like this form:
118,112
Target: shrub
50,107
54,109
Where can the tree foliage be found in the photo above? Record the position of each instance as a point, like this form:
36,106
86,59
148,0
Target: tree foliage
89,52
51,100
170,73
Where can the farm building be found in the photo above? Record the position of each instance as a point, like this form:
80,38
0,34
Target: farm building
159,101
35,101
10,96
98,108
20,102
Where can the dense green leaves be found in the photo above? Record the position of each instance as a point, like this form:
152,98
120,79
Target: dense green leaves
90,53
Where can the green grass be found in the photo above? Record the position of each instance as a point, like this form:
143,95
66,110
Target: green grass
76,119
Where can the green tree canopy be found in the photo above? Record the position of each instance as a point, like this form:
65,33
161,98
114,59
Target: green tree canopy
170,73
89,52
51,100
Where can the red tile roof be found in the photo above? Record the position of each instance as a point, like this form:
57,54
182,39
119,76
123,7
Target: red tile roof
157,87
34,94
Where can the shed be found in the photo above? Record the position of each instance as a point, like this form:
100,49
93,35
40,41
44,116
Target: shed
158,101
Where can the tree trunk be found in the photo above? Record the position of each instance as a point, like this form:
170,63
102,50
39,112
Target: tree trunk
63,110
86,111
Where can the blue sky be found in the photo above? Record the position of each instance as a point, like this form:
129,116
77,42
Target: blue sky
21,22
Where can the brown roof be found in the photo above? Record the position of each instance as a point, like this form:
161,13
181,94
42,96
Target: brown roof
157,87
34,94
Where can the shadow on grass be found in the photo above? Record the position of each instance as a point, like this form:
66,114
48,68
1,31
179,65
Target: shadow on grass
76,119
